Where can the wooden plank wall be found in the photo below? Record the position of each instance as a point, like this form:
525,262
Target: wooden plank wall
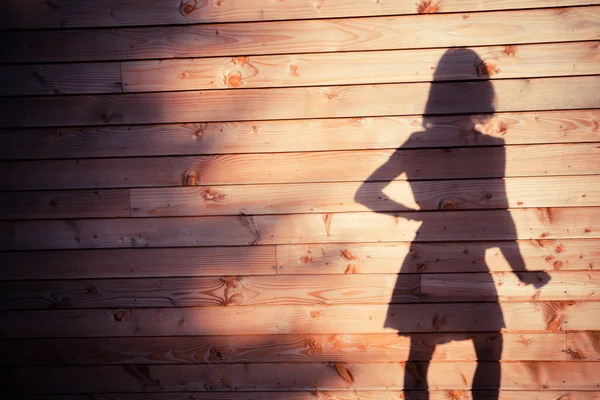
340,199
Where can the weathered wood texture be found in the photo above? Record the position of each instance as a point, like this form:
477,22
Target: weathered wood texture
240,230
65,204
387,347
357,258
515,375
334,166
288,203
557,59
338,395
57,79
298,135
348,34
300,290
342,197
31,14
301,102
258,320
138,263
366,258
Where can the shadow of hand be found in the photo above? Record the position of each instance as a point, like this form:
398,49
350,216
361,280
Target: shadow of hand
538,279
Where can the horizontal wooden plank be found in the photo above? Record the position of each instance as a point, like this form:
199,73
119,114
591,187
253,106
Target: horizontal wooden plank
359,196
543,223
553,375
284,348
557,59
368,258
299,135
338,395
138,263
41,79
583,346
316,319
320,259
65,204
501,286
30,14
218,291
301,290
304,102
335,166
348,34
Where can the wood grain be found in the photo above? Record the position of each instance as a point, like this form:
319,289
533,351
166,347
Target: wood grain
343,197
283,348
65,204
301,290
257,320
368,258
516,375
583,346
138,263
338,395
501,286
299,135
563,93
348,34
557,59
218,291
29,14
544,223
56,79
334,166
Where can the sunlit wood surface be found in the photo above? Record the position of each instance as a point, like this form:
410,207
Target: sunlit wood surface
328,199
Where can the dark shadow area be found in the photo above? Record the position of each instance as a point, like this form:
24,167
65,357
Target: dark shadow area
488,373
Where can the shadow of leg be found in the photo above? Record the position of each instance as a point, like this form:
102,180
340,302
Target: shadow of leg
415,374
488,372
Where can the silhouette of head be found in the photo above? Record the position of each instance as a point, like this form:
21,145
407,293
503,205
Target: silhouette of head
458,87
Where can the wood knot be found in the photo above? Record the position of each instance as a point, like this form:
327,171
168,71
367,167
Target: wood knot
510,50
120,315
187,7
215,195
294,70
448,204
486,69
233,79
428,7
56,133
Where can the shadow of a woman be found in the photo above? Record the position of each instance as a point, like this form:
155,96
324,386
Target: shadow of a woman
474,101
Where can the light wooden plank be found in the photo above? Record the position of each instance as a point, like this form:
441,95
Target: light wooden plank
348,34
368,258
218,291
138,263
339,395
42,79
299,135
65,204
335,166
367,376
545,223
30,14
501,286
301,290
359,196
304,102
283,348
583,346
526,61
258,320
